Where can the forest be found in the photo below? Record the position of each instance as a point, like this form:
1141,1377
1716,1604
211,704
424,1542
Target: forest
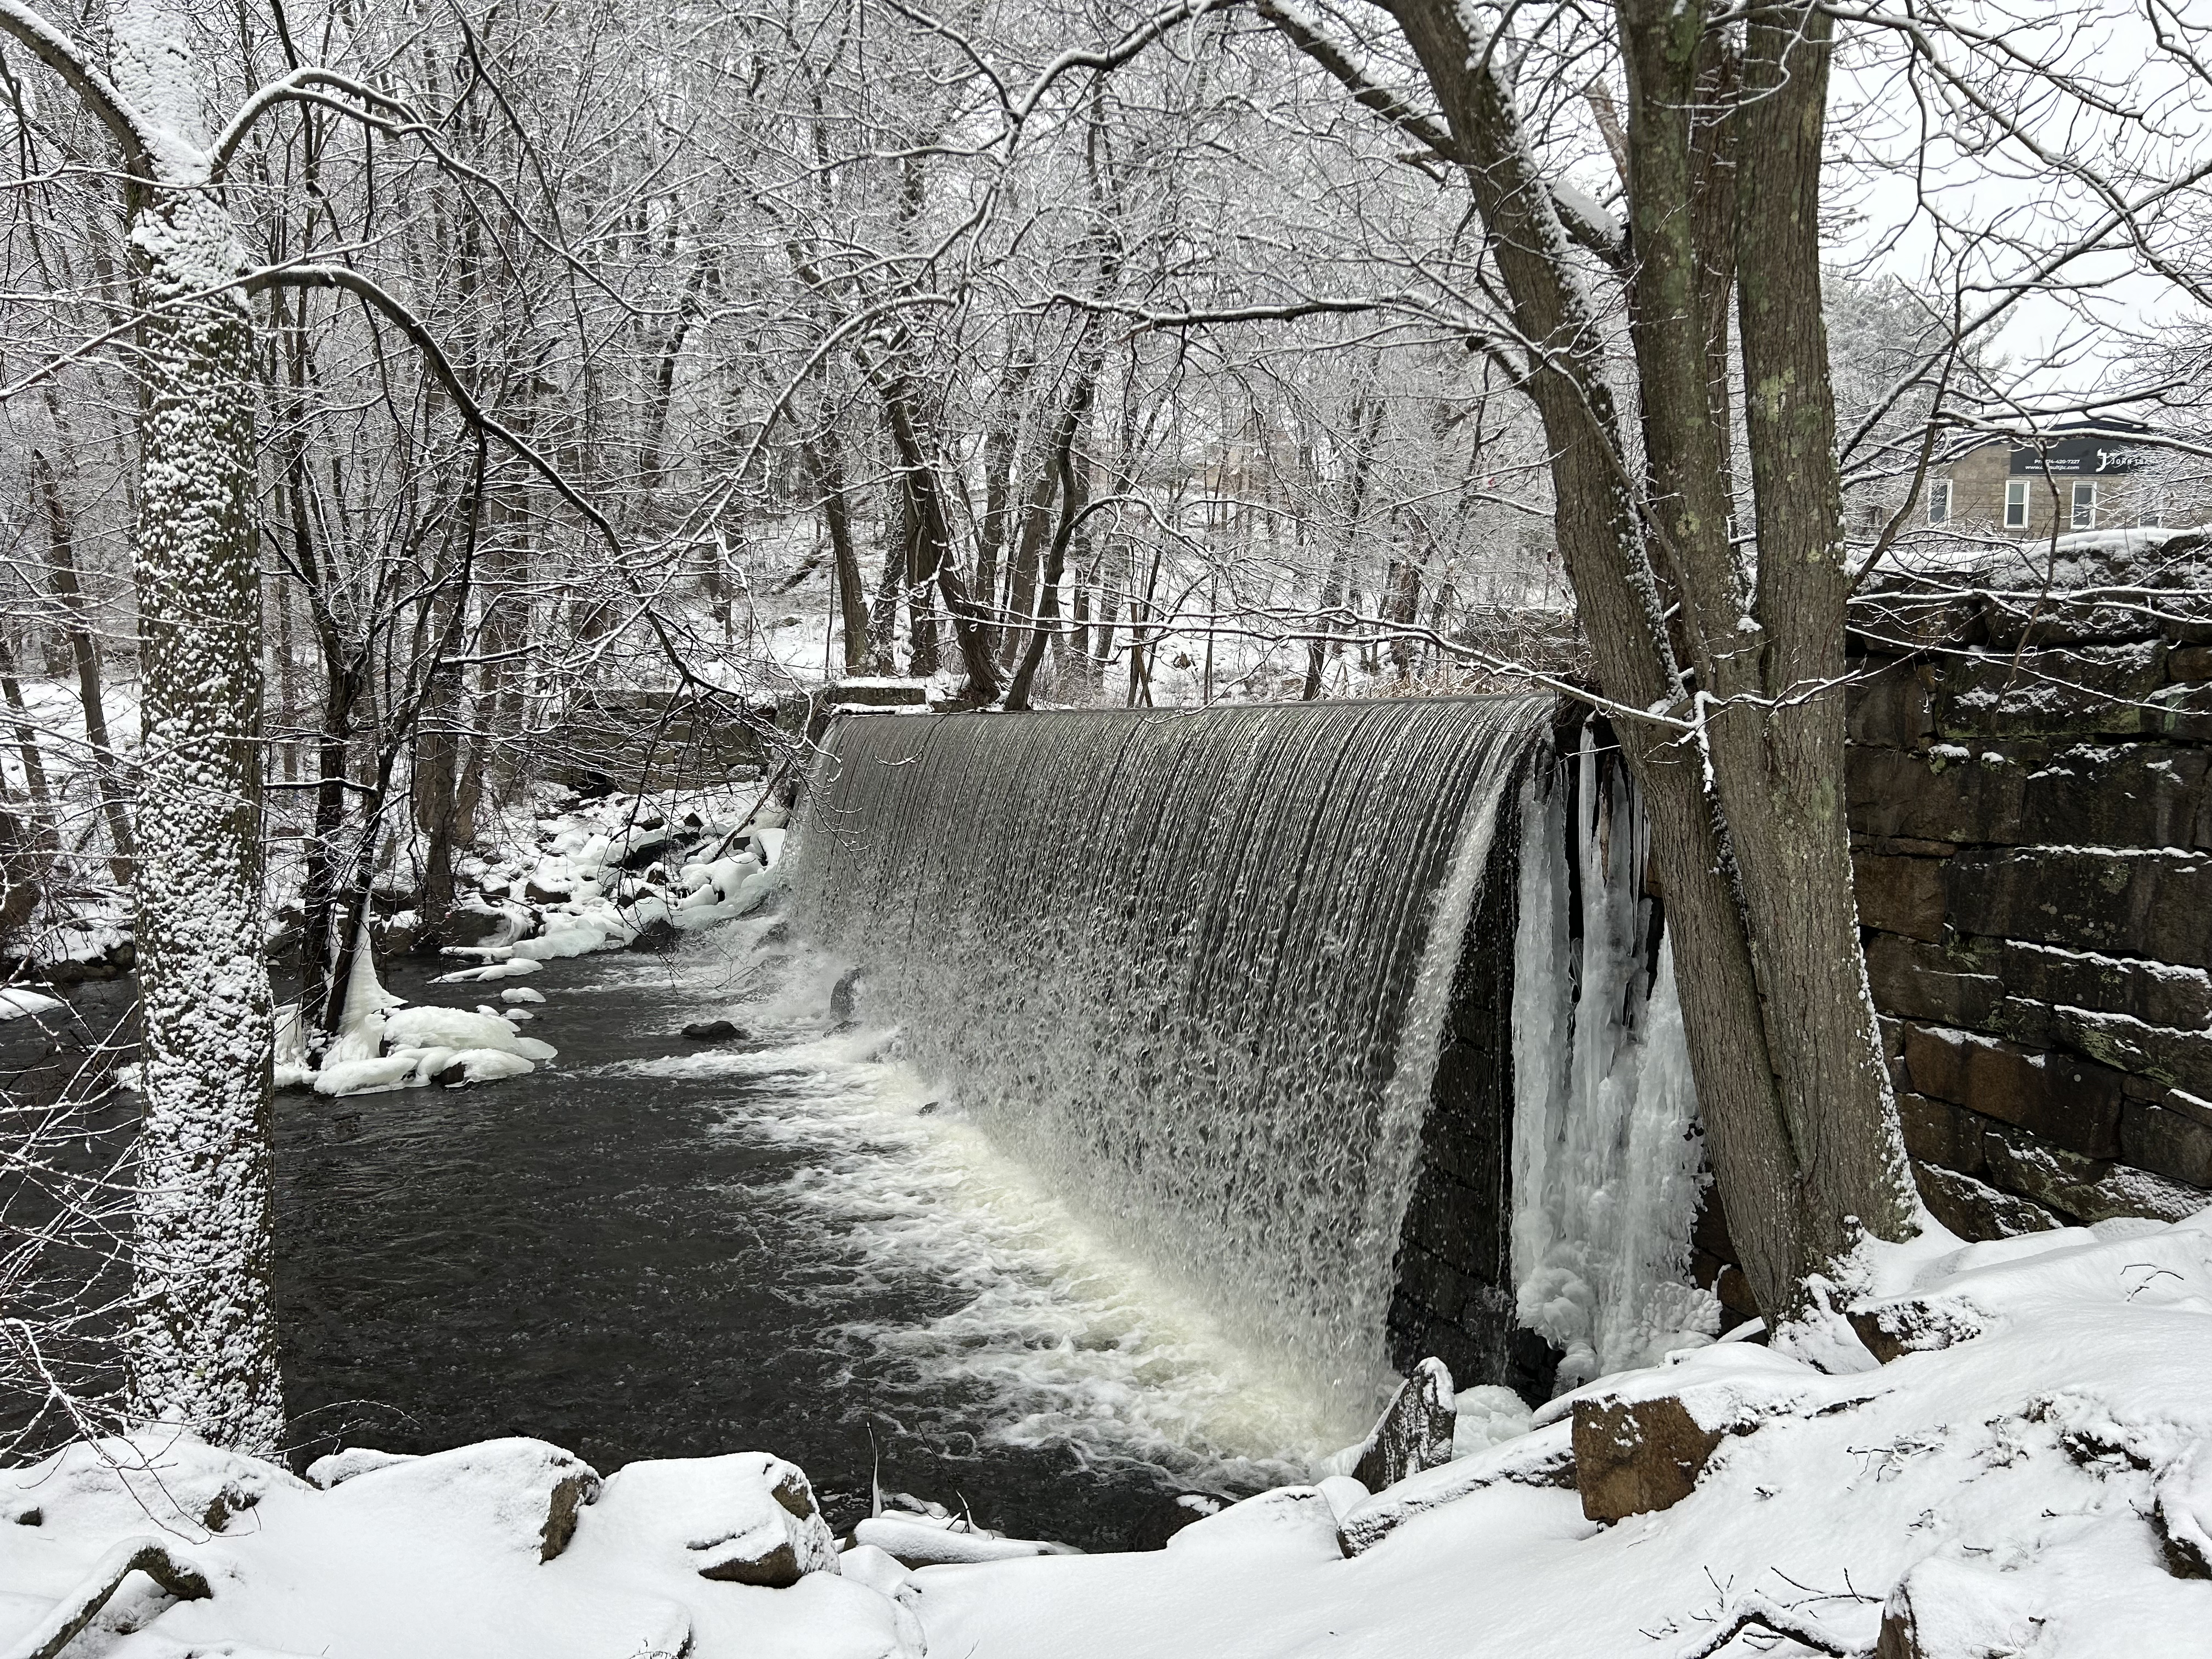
469,472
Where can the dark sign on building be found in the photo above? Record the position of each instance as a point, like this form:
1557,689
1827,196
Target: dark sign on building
2077,457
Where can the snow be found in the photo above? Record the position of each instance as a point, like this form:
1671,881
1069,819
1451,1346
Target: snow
2004,1488
439,1556
14,1004
385,1044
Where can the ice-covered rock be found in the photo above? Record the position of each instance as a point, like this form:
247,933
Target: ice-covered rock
922,1540
1290,1521
508,967
481,1066
433,1027
365,1076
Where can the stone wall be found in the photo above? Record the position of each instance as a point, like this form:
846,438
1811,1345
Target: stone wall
1454,1297
629,739
2032,827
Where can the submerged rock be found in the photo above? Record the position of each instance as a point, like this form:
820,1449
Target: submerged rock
713,1030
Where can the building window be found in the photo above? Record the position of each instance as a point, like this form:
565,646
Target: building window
2084,505
2015,504
1939,501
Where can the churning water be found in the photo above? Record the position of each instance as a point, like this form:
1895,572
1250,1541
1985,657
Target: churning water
1190,968
651,1249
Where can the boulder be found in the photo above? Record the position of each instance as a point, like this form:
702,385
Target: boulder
1163,1520
1544,1457
1950,1609
1632,1456
1889,1330
1414,1433
743,1518
713,1030
1287,1522
526,1494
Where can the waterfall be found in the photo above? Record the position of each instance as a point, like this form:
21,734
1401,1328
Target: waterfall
1193,967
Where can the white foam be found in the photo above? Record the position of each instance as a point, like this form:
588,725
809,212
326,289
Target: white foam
1070,1342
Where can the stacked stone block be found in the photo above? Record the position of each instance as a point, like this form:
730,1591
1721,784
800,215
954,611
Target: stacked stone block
2032,828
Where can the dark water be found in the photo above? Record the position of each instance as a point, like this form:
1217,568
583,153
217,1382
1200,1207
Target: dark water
756,1257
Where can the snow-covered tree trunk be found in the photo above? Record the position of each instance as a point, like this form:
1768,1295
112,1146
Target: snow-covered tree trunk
202,1351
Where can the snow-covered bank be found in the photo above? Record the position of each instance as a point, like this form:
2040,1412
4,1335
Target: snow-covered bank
2029,1480
2030,1476
596,875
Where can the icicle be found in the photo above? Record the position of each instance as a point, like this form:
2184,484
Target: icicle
1606,1164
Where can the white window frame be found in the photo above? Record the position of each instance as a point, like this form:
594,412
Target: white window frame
2015,504
1939,501
2085,504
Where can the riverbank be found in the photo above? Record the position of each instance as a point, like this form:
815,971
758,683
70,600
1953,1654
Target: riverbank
2027,1475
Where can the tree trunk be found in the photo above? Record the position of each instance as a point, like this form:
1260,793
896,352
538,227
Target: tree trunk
825,459
1755,869
61,561
1367,427
202,1348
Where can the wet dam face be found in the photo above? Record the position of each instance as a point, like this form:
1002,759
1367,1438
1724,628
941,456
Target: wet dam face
1240,984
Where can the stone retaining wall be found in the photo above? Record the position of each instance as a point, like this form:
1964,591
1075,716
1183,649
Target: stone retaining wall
2031,826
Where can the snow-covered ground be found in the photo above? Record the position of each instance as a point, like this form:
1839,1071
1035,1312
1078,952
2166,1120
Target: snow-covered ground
2031,1479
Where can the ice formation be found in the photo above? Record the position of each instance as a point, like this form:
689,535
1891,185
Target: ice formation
1606,1160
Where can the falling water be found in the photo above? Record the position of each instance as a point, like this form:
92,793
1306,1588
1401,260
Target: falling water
1193,968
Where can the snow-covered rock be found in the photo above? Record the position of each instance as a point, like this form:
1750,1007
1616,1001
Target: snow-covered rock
15,1003
745,1518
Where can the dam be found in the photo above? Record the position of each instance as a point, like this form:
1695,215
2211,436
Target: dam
1354,1016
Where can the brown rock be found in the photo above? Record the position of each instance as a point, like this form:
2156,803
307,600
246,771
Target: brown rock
1901,894
1892,1329
2180,1058
1635,1456
1977,1211
1890,705
1918,981
2191,662
2087,1189
2139,904
1934,797
569,1495
2117,985
2082,689
2072,1101
1938,1132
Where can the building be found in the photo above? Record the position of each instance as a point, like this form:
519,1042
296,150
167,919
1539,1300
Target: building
2081,476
